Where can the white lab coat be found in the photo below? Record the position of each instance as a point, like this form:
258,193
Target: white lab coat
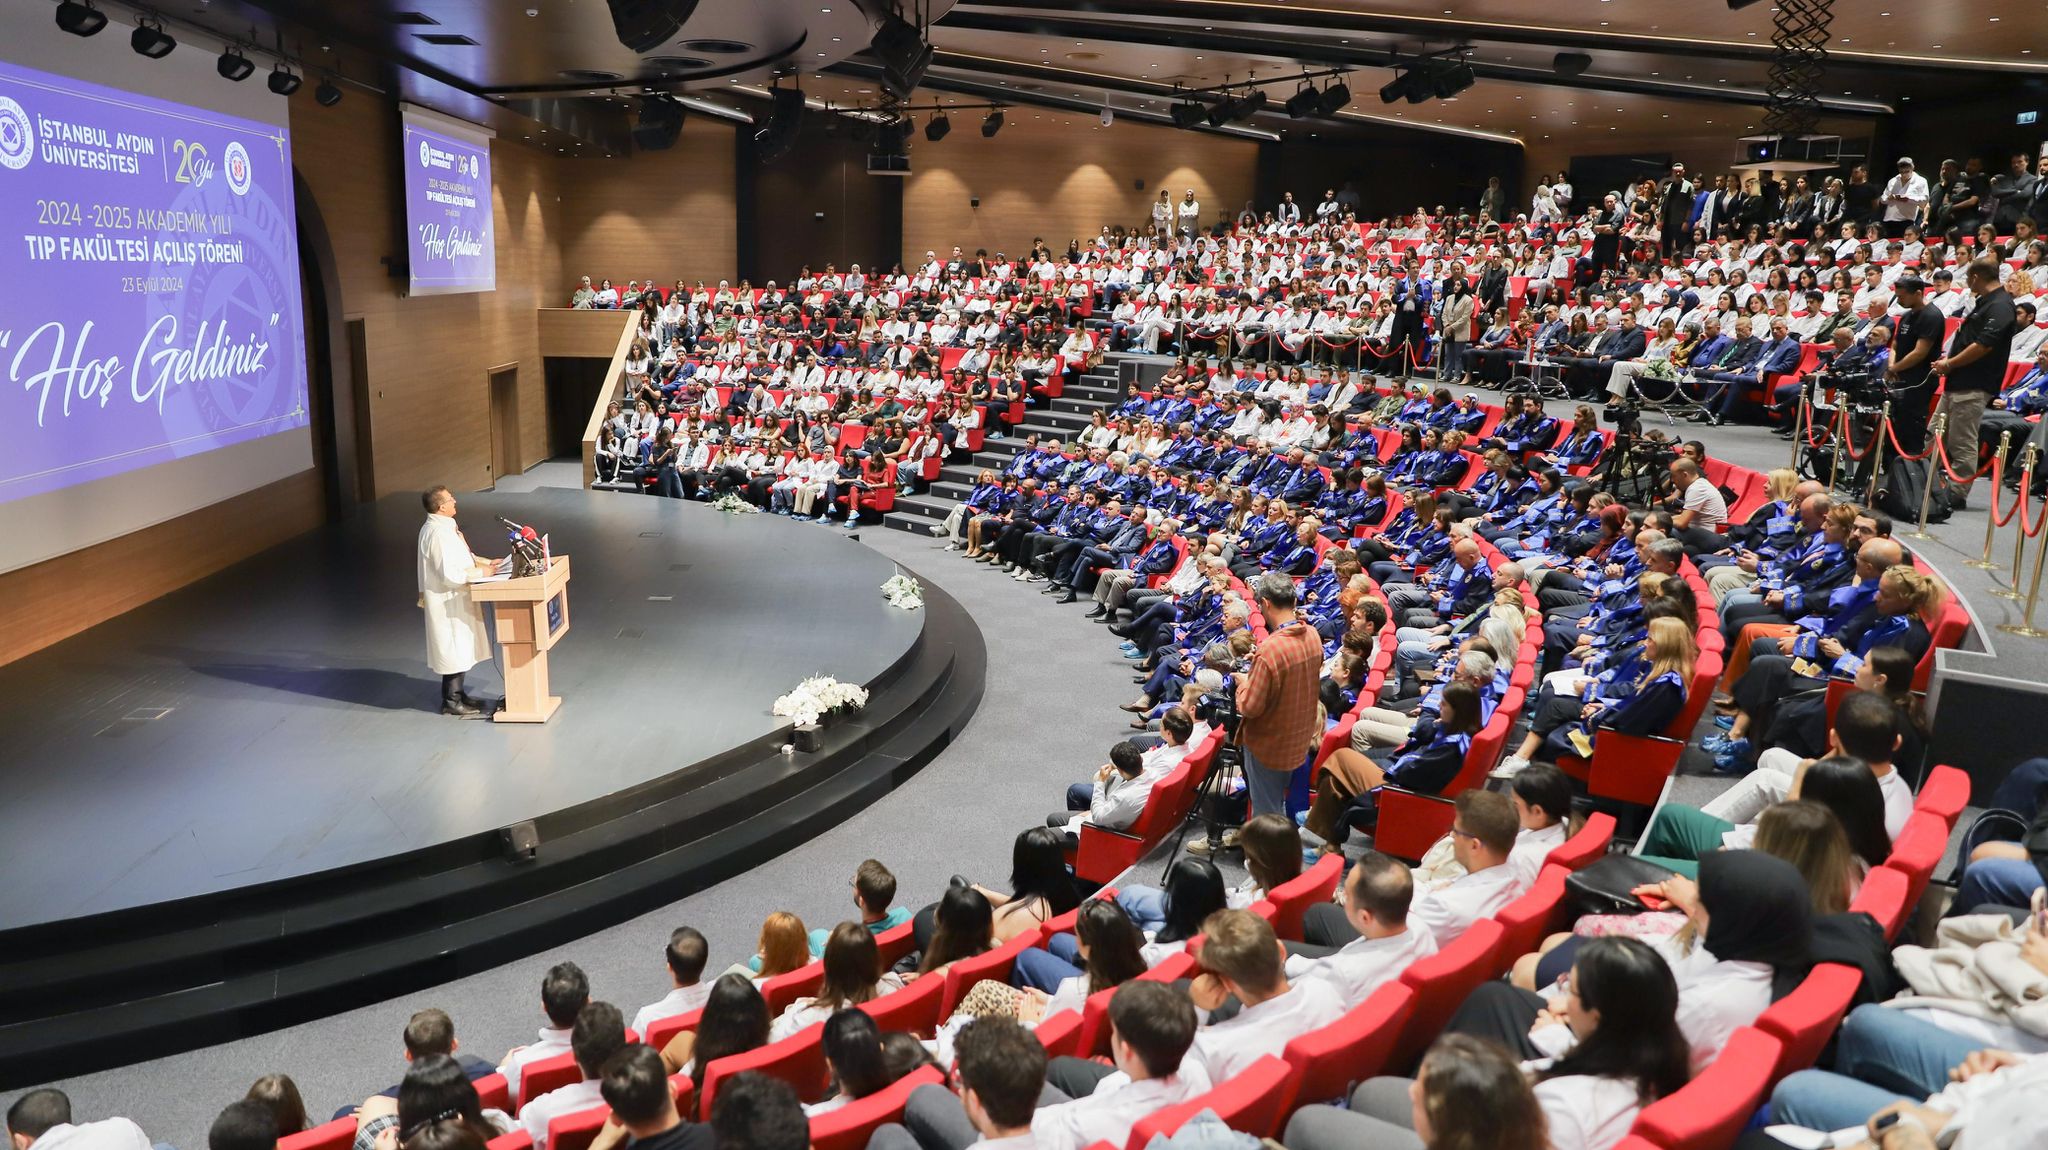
456,639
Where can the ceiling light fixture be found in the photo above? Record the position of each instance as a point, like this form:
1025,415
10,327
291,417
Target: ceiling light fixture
283,80
232,65
149,39
80,19
992,123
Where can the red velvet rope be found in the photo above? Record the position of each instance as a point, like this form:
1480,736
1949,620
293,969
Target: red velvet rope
1998,484
1893,433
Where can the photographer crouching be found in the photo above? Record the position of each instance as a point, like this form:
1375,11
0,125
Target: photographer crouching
1277,698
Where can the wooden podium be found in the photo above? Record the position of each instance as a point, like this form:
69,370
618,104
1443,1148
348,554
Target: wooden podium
531,614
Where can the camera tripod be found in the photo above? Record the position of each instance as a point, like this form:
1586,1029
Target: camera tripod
1229,756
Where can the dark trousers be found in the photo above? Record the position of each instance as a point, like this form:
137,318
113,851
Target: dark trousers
1502,1014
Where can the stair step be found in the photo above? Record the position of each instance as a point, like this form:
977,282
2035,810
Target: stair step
951,490
922,507
960,475
896,521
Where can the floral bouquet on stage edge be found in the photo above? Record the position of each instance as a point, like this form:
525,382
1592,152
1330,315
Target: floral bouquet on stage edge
903,591
733,505
819,696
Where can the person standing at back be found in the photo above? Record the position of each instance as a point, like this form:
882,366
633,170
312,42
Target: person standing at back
1916,344
1974,369
1278,697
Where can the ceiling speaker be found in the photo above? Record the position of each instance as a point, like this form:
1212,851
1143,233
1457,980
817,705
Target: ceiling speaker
774,139
661,122
644,25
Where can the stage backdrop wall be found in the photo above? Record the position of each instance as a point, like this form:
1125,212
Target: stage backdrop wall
1062,176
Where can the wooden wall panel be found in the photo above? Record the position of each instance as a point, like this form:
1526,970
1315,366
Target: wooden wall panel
1061,177
429,356
588,334
56,599
664,214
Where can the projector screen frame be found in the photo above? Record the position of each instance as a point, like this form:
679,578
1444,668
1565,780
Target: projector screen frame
477,136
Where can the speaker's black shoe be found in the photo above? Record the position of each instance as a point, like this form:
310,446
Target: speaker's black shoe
461,708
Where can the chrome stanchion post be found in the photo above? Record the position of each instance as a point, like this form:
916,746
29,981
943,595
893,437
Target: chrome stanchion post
1982,562
2019,548
1884,422
1803,424
1927,489
1841,445
2026,624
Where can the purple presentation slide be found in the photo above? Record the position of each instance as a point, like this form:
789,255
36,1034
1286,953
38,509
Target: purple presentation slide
448,213
149,290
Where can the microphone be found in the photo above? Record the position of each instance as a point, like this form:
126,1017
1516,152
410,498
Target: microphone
514,526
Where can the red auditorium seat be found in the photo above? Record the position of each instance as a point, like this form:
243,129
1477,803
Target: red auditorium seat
913,1009
1253,1102
1714,1107
798,1060
1441,982
336,1135
1291,899
1805,1019
1916,852
993,964
1328,1062
660,1034
1528,920
1410,822
518,1139
494,1092
784,989
1634,768
577,1131
1944,794
850,1126
1590,843
1883,898
537,1078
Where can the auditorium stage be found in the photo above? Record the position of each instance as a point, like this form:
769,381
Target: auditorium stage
251,769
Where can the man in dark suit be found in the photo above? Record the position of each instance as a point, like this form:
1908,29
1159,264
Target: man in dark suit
1588,375
1607,225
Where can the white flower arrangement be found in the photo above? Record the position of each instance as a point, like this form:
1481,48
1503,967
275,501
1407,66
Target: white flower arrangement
820,695
903,591
733,505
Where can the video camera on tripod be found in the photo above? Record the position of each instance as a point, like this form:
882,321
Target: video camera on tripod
1636,463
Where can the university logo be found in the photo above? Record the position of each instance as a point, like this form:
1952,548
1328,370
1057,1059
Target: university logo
426,155
237,160
17,135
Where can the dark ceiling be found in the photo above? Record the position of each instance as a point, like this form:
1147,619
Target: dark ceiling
1657,66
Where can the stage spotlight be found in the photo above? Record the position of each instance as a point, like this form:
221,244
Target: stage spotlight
1392,91
1449,79
1571,63
1305,102
232,65
1186,114
80,19
937,128
1334,97
328,94
1222,112
1250,104
151,40
284,81
1416,87
992,124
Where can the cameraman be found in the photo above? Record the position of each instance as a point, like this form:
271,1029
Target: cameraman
1278,697
1921,329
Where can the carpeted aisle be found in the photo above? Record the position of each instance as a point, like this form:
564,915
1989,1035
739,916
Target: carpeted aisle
1047,718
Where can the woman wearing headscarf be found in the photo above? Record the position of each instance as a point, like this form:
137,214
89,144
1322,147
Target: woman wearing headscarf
1748,943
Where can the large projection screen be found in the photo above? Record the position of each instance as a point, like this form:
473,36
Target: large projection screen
150,315
449,246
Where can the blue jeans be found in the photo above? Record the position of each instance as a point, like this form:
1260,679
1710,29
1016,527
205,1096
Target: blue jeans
1080,795
1996,882
2023,789
1882,1056
1268,787
1042,969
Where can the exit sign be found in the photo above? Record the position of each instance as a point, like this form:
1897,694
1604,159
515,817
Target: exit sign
2028,117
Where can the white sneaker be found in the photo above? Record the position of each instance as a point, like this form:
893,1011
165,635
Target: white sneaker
1200,846
938,529
1510,767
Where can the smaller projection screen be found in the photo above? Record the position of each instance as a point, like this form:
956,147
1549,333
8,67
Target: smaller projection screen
449,244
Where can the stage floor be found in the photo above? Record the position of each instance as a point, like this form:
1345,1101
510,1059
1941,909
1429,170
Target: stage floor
278,719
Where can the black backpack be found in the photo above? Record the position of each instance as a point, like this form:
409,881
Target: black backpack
1898,493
